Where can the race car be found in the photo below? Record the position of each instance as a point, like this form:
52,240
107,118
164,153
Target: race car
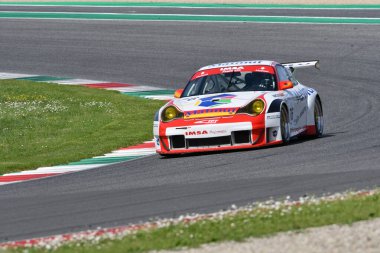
239,105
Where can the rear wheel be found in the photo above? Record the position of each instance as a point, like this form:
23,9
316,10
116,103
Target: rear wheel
318,118
285,127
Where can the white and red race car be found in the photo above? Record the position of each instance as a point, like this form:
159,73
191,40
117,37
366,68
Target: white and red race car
238,105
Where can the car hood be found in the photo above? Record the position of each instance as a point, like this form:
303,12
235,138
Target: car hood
220,100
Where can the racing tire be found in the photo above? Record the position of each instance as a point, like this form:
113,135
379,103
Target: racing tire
285,126
318,118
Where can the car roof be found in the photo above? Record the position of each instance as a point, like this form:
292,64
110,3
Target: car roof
239,63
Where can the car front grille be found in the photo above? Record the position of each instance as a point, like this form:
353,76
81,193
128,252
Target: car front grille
209,142
237,138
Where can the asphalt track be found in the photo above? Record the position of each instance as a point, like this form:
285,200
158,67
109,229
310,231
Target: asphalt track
165,54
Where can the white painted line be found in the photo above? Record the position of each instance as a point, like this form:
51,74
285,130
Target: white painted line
4,75
76,81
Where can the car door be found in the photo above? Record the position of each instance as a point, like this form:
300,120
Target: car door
296,100
300,110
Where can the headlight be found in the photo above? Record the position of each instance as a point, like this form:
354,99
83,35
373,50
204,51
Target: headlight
257,107
254,108
170,113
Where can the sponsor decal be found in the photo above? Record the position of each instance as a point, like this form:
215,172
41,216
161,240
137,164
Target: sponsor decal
204,132
222,69
262,69
299,95
297,130
231,69
190,99
291,113
208,121
310,91
157,141
226,64
299,116
212,112
192,133
273,116
303,94
201,74
213,101
281,94
218,132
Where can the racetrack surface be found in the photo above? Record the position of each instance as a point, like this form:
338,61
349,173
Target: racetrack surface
166,54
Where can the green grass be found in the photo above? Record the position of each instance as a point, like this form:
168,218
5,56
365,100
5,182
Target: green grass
250,223
44,124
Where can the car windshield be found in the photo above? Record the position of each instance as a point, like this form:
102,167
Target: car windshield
230,82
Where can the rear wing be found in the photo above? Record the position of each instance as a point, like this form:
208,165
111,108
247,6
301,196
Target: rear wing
303,64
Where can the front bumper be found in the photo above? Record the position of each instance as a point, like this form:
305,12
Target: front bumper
225,133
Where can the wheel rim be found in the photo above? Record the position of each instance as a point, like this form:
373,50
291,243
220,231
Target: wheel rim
284,125
318,118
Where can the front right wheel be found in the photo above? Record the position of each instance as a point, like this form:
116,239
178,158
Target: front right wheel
318,118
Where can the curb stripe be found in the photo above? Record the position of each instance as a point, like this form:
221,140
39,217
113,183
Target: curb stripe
150,92
42,78
120,155
13,75
76,82
116,156
147,144
16,178
159,97
108,85
104,160
134,89
59,168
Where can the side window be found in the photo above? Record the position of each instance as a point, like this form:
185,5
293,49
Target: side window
291,77
285,75
282,73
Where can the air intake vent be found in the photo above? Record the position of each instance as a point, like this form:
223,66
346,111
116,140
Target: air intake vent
209,142
241,137
177,141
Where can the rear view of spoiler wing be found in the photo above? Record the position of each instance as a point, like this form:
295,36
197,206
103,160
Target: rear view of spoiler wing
303,64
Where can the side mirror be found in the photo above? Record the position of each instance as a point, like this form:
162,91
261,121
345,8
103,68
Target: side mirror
284,85
178,93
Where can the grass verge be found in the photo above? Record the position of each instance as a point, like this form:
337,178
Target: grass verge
43,124
261,220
